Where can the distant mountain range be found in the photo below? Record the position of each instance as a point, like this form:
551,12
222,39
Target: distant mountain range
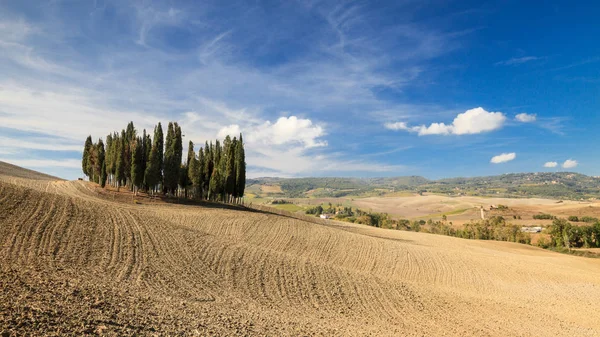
560,185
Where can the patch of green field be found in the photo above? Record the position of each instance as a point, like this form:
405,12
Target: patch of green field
289,207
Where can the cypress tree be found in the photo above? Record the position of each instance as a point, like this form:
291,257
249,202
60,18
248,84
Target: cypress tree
108,156
147,150
214,189
190,171
240,168
201,173
86,154
120,164
170,169
207,168
130,137
102,162
137,172
112,170
160,150
153,174
180,175
193,172
229,176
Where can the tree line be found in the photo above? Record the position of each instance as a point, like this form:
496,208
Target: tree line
155,164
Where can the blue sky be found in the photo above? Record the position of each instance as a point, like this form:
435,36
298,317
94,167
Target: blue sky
319,88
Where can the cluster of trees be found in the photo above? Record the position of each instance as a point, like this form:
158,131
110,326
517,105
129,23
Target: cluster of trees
544,217
564,235
354,215
155,165
588,219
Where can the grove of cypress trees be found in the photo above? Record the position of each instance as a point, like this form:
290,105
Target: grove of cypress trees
217,173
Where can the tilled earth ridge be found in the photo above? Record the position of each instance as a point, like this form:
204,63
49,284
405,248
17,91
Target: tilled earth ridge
73,262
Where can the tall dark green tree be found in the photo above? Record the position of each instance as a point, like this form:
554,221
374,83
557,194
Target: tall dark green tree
194,172
137,171
178,152
86,154
101,162
108,155
159,140
240,168
201,173
147,150
186,178
171,169
112,169
229,173
130,137
207,167
120,163
214,188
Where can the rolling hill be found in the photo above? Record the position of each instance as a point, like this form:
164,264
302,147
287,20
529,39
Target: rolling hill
559,185
75,260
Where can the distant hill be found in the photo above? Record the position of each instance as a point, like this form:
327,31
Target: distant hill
20,172
560,185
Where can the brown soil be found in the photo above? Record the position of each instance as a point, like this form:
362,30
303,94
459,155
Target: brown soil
74,261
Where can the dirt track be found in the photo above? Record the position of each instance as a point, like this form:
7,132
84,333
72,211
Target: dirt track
74,262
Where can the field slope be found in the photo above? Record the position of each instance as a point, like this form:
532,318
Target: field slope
74,261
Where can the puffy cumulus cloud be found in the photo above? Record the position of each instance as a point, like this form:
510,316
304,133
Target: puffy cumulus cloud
285,131
526,118
503,158
472,121
570,163
232,130
551,164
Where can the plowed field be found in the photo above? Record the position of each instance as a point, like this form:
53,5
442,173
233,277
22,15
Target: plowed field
74,261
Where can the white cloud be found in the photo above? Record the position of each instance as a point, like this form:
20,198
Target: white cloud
551,164
517,60
570,163
472,121
503,158
232,130
289,130
397,126
526,118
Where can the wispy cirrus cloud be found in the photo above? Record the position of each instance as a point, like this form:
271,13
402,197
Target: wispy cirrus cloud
213,71
517,60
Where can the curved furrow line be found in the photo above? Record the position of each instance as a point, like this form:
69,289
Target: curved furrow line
48,239
59,212
24,222
170,256
27,247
